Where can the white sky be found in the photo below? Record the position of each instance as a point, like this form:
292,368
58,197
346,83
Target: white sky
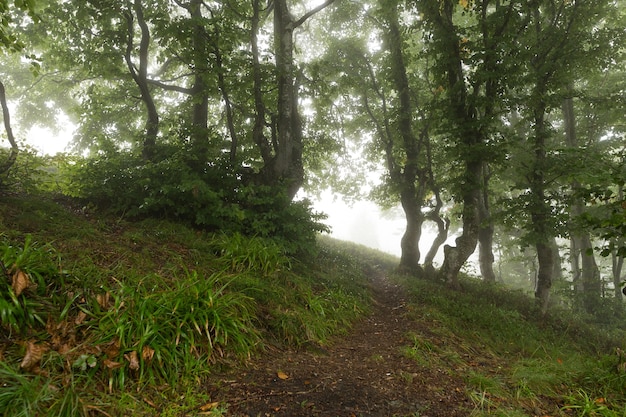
47,142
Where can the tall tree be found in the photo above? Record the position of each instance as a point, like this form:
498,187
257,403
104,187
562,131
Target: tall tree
284,166
139,73
469,55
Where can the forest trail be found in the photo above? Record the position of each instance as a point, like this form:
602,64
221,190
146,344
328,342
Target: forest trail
365,373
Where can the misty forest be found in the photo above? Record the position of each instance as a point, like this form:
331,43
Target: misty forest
171,262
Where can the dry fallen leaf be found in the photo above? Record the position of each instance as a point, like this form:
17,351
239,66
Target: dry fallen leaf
209,406
282,375
147,353
34,353
133,360
111,364
20,281
103,300
112,349
80,318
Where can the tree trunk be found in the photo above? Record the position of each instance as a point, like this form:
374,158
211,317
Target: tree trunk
284,167
411,181
471,132
539,207
442,231
586,273
7,127
199,95
544,276
456,256
410,256
485,233
140,76
618,262
557,267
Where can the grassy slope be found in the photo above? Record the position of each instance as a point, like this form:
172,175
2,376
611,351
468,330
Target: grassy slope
180,303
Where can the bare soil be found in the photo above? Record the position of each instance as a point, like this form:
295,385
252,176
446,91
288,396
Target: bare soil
366,373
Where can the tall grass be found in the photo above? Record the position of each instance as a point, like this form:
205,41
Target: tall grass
152,306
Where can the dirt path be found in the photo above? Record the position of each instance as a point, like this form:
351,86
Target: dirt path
363,374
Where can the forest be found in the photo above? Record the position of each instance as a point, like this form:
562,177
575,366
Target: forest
203,130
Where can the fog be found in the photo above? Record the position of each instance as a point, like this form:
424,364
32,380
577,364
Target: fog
365,223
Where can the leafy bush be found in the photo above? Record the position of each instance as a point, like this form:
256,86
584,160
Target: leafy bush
216,199
27,174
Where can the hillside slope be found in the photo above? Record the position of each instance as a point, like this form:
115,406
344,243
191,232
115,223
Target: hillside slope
104,316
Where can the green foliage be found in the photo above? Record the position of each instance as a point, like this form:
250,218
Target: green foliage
27,175
22,395
170,326
562,358
250,254
24,267
126,184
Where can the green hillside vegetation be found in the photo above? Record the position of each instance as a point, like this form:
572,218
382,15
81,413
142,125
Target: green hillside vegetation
104,316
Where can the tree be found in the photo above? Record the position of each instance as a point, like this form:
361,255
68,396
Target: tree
469,63
11,44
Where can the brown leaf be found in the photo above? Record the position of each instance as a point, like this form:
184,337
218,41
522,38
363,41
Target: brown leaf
147,353
80,317
112,349
20,281
104,300
112,364
209,406
133,360
282,375
34,353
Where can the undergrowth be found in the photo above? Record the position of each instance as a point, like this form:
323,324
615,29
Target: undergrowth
94,309
516,362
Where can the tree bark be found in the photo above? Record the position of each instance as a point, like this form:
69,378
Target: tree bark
411,178
586,274
485,233
140,76
7,127
199,94
540,210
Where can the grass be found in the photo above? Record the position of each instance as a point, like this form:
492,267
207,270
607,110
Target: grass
515,362
151,307
132,316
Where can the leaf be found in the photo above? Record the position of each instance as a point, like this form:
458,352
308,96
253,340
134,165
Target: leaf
20,281
147,353
80,318
209,406
104,300
34,353
112,349
133,360
282,375
111,364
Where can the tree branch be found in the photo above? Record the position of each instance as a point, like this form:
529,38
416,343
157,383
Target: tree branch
310,13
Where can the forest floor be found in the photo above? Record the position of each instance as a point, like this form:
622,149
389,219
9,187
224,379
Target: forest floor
365,373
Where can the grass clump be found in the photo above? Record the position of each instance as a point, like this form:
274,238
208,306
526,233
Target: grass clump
114,307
